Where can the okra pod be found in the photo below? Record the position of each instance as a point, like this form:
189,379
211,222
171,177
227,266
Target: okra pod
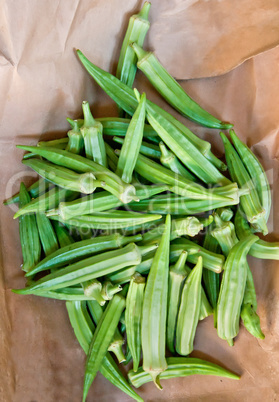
123,276
47,235
109,290
181,367
173,93
84,183
60,143
147,149
101,340
177,274
68,294
154,312
189,311
133,317
28,231
40,186
232,289
63,235
169,160
76,142
112,157
224,233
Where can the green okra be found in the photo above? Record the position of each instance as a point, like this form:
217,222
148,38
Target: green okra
112,157
136,32
68,294
232,289
93,289
101,201
75,251
168,159
224,233
109,290
249,202
256,172
60,143
40,186
125,98
225,214
174,94
87,269
101,340
84,183
177,274
154,312
133,317
84,329
181,367
189,311
117,340
92,132
147,149
48,200
63,236
76,142
110,181
28,231
108,220
123,276
47,234
260,249
132,142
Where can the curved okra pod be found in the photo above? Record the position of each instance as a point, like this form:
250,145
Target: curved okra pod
84,183
260,249
76,142
169,160
232,289
154,313
189,311
87,269
63,236
92,132
111,182
249,202
101,340
177,275
133,317
130,149
136,32
39,187
84,329
181,367
256,172
28,231
174,94
147,149
47,234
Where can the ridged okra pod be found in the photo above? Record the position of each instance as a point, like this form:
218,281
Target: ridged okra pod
87,269
181,367
177,274
112,157
169,160
260,249
47,234
60,143
76,142
174,94
84,183
232,289
147,149
131,147
249,202
154,313
29,236
256,172
189,311
84,329
110,181
101,340
133,317
136,32
63,236
92,132
39,187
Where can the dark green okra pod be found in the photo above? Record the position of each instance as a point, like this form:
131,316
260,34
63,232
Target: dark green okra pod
39,187
101,340
47,234
168,159
63,236
28,231
147,149
154,313
189,311
133,317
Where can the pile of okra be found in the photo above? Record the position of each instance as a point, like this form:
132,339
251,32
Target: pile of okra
142,230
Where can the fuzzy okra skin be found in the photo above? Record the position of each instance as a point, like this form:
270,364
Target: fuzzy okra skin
29,235
232,289
40,186
101,340
87,269
147,149
84,328
133,317
47,234
174,94
154,312
189,311
181,367
177,274
169,160
131,147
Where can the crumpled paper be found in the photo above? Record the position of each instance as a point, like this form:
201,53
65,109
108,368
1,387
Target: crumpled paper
42,83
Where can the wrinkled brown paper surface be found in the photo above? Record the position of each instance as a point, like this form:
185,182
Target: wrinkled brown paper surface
42,83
